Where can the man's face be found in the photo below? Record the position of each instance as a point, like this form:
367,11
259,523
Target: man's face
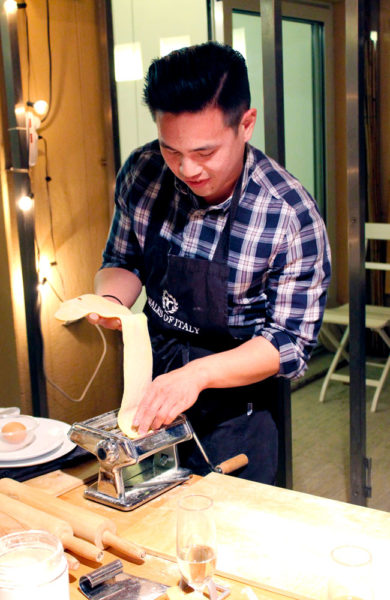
202,151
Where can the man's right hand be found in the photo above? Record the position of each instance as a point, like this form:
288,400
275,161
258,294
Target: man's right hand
115,282
112,323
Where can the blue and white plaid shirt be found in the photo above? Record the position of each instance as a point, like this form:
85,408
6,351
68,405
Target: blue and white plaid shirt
279,255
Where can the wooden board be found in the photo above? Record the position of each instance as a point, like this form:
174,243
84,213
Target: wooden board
58,482
270,537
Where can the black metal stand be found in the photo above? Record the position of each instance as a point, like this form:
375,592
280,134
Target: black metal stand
271,40
19,183
356,13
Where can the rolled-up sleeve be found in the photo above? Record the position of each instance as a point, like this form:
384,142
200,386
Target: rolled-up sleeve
296,291
122,247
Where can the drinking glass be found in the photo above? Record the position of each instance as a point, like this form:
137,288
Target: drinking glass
33,567
196,540
350,577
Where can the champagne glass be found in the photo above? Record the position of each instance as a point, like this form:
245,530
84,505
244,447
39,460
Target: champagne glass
196,540
351,576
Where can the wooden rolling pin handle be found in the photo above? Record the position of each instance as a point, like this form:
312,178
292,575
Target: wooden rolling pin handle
9,525
128,548
82,548
232,464
73,563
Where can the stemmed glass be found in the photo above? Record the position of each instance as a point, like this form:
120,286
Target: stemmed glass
351,576
196,540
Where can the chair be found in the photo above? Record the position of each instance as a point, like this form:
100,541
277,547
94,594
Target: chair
377,319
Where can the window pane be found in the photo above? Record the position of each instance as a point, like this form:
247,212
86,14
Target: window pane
247,40
143,30
299,106
298,101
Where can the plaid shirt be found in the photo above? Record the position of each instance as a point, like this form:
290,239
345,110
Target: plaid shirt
279,255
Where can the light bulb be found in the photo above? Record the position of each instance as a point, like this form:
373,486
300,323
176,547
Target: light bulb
25,203
40,107
44,268
41,286
10,6
19,110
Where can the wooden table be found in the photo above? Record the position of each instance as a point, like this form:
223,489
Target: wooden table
155,568
273,543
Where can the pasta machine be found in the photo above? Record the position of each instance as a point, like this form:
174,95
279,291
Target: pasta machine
132,472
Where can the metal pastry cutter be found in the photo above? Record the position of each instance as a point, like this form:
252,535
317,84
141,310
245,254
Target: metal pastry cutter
111,583
132,472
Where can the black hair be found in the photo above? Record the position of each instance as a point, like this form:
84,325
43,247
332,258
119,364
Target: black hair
195,77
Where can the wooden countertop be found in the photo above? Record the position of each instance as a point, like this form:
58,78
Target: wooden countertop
155,568
273,543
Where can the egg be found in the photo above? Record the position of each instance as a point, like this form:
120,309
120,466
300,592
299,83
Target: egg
14,432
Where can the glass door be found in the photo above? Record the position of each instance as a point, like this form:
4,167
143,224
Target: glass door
306,34
303,94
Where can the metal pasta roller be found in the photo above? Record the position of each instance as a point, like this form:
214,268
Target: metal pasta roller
132,472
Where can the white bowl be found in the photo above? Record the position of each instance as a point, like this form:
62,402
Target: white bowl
19,438
8,411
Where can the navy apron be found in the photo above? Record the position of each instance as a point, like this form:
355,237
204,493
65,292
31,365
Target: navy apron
187,310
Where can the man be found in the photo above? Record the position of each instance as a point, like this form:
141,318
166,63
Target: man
233,255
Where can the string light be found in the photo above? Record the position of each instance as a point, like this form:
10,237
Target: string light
19,110
25,203
374,36
41,107
10,6
44,268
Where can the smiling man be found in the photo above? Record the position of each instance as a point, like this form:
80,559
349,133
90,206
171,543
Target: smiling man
233,255
203,152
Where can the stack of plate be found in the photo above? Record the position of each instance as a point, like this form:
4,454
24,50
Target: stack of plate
50,441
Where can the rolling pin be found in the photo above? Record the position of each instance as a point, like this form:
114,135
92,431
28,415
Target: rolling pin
32,518
9,524
72,561
88,525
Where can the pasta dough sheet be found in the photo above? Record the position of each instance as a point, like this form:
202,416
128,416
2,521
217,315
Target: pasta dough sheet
137,349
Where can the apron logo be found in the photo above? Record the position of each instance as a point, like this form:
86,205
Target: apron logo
169,303
164,312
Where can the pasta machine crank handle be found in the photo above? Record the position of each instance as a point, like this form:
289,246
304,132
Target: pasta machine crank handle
225,467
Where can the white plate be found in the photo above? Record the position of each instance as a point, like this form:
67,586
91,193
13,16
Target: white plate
49,436
66,447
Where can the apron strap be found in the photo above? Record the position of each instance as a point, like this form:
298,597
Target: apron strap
222,251
160,208
160,212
